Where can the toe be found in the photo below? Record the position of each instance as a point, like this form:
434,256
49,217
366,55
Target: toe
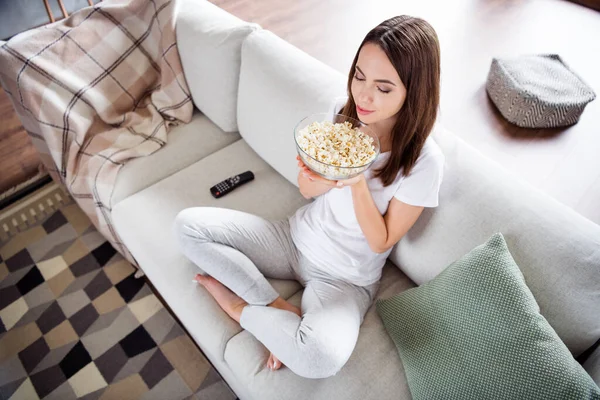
276,363
211,282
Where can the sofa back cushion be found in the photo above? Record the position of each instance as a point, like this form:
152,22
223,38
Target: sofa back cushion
280,85
557,250
209,40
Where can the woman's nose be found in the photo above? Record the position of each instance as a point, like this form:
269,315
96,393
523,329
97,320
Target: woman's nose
365,97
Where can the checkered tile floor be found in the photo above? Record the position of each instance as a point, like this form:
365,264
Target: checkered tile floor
75,323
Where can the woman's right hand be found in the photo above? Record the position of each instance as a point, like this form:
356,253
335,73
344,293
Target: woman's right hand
310,184
311,176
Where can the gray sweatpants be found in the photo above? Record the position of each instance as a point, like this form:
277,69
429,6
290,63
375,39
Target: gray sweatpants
240,250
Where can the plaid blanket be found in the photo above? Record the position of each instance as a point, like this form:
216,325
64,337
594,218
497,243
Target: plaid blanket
95,90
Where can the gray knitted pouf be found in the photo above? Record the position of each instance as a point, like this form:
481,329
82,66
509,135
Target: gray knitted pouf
537,91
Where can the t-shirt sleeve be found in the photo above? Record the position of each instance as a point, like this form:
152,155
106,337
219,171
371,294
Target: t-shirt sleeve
422,186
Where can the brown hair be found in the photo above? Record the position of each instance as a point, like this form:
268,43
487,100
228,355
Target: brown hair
412,47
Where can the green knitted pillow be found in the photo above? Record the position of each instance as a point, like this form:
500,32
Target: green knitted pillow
475,332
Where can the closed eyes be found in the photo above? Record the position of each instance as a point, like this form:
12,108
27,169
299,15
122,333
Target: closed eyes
378,88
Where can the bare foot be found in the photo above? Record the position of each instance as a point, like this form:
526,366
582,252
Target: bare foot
273,362
233,305
230,302
284,305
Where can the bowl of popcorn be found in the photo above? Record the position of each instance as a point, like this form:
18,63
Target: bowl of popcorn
335,147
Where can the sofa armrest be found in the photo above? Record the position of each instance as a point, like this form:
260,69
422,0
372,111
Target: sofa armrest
555,248
279,85
209,40
592,365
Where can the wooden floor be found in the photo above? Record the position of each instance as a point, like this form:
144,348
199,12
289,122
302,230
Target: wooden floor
18,158
564,163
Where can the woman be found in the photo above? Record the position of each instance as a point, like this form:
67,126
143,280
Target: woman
335,246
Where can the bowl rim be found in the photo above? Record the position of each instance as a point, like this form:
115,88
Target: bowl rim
330,165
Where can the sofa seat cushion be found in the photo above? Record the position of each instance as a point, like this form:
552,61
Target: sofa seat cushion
374,371
186,144
144,221
592,365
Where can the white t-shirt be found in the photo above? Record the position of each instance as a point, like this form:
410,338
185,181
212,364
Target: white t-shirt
327,232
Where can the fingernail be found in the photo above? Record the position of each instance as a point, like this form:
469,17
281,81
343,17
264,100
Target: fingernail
195,281
339,183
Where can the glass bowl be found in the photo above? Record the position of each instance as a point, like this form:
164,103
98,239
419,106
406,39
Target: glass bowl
330,171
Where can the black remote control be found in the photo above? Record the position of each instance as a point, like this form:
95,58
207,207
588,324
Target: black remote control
226,186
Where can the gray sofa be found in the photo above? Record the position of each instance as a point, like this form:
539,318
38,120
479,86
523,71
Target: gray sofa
250,88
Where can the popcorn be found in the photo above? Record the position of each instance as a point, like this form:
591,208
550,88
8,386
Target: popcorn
338,145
